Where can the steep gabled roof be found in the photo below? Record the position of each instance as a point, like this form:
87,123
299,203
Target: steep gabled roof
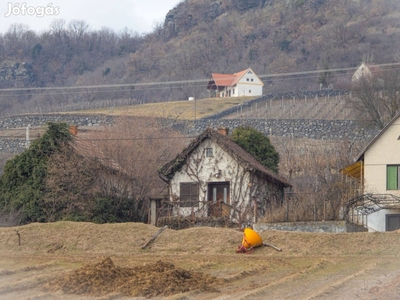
242,156
356,169
89,150
361,155
223,80
367,70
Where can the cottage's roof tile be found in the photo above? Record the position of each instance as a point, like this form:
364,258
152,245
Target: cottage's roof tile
241,155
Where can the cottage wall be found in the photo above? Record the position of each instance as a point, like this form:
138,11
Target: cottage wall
385,151
266,195
249,85
221,167
362,70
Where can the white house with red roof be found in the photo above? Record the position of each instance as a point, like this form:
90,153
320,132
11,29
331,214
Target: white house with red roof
243,83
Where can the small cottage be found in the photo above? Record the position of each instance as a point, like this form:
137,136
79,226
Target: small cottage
243,83
214,177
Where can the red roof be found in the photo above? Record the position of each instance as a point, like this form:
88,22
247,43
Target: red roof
222,80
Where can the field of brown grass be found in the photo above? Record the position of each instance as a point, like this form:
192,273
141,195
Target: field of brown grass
182,110
67,260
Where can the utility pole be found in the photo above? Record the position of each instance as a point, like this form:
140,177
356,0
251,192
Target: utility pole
28,142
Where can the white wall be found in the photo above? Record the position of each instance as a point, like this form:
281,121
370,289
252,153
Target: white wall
362,70
385,151
250,85
377,220
202,169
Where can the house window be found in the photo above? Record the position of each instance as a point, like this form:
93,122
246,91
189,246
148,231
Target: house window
251,79
233,92
247,79
189,194
392,177
209,152
249,91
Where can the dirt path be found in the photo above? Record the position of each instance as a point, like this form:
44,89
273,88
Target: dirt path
197,263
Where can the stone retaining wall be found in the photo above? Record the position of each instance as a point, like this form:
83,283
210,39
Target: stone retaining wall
313,129
324,226
40,120
12,145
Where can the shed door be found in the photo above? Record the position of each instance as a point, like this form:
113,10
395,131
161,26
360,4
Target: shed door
392,222
219,199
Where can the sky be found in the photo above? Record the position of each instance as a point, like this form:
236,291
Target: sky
136,15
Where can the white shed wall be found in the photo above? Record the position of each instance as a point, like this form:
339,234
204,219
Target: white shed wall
377,220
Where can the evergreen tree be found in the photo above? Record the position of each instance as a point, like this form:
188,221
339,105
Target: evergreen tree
258,145
22,184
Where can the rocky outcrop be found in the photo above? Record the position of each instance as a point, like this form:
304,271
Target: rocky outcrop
15,74
243,5
188,14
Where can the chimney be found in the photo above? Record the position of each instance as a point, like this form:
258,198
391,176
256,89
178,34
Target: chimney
73,129
223,130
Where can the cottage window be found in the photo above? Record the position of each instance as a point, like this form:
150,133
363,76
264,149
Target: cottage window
189,194
251,79
209,152
393,177
247,79
233,92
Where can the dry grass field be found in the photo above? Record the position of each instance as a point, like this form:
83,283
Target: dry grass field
182,110
67,260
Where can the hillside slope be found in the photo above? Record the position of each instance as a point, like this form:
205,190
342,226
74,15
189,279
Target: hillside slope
197,38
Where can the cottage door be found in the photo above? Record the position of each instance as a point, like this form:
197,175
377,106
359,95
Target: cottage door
218,199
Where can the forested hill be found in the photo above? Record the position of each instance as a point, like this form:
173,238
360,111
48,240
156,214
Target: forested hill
199,37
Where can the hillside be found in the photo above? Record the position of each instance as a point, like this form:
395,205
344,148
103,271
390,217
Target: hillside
197,38
67,260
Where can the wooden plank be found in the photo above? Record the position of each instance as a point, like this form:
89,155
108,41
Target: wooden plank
154,236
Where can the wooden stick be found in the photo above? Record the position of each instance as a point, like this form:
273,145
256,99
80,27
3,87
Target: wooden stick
154,236
272,246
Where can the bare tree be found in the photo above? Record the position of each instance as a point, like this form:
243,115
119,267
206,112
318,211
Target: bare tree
139,147
377,96
319,189
77,29
57,27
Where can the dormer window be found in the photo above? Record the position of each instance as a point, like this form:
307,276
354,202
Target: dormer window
209,152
